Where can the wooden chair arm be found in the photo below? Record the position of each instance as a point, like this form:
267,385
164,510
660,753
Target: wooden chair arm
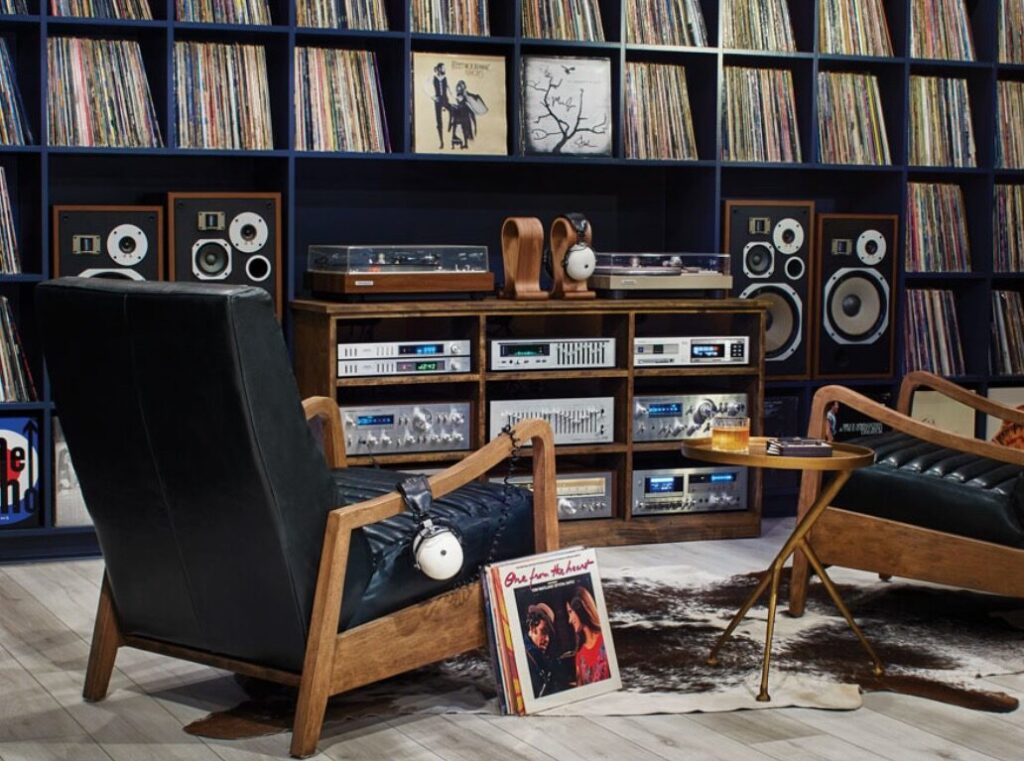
326,410
922,379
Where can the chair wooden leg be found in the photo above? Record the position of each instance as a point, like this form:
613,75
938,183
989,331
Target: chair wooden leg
798,584
309,713
106,639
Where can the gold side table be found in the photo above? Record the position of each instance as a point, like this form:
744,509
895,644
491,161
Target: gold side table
844,460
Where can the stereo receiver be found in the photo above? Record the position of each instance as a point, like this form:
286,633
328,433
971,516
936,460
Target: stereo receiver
573,421
580,495
682,416
685,350
403,358
402,428
552,353
689,490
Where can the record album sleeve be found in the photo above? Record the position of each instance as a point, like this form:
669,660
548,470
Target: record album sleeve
567,106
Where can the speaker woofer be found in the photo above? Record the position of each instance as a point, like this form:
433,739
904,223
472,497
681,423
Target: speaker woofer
784,319
211,259
856,306
758,260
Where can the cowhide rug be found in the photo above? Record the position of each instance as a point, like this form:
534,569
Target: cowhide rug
934,642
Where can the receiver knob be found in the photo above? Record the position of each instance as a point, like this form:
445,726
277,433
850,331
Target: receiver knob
419,420
456,417
641,410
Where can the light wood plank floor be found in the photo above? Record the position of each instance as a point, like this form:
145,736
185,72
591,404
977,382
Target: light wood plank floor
46,612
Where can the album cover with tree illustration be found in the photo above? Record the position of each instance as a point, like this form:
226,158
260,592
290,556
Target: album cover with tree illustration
567,106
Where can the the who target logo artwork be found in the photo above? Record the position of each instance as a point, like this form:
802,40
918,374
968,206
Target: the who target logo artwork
20,501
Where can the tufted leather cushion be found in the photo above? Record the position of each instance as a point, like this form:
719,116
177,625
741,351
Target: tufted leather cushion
913,481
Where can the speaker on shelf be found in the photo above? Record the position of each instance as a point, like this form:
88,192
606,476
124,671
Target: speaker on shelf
770,247
227,238
108,241
854,323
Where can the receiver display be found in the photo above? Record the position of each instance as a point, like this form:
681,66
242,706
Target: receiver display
364,420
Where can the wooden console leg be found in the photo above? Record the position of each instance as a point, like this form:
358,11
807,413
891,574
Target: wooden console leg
106,639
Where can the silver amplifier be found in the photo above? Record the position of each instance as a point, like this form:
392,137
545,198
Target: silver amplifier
687,350
403,349
412,366
552,353
573,421
682,416
580,495
402,428
689,490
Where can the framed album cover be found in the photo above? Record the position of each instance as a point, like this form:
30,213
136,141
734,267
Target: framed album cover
68,502
458,104
21,502
567,106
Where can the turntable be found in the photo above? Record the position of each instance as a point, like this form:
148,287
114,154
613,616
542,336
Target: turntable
635,274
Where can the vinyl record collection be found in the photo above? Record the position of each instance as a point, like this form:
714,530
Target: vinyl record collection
1011,31
931,339
450,17
758,120
853,27
940,29
14,129
337,101
936,228
1010,144
222,95
1007,356
98,94
941,133
757,25
851,125
10,262
13,7
563,20
255,12
665,22
658,121
366,15
122,9
1008,255
15,377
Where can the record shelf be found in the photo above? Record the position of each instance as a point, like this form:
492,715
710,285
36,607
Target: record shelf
405,197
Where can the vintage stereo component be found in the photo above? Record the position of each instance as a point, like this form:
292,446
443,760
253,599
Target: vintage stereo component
402,428
109,241
686,350
771,245
682,416
573,421
230,238
689,490
854,324
633,274
580,495
552,353
403,358
383,270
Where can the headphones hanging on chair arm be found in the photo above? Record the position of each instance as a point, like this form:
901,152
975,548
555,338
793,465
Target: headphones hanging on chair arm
436,548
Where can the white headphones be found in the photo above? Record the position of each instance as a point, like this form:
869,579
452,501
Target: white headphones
436,548
580,260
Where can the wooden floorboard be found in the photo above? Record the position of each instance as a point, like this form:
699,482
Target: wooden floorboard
46,623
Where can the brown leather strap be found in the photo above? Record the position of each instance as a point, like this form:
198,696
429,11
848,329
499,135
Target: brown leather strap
522,248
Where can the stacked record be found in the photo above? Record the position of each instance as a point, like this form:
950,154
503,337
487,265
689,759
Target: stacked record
364,15
98,94
223,96
467,17
563,20
10,262
14,129
251,12
1007,356
1011,31
665,22
13,7
122,9
15,377
851,125
936,229
853,27
1009,228
941,133
758,119
931,338
338,102
1010,145
940,29
659,124
757,25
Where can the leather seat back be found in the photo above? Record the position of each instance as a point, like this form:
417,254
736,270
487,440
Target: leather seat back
207,490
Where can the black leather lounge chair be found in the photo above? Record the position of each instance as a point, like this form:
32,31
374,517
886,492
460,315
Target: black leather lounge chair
227,538
934,507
